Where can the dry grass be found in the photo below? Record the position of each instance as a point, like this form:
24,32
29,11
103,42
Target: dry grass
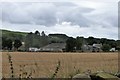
43,64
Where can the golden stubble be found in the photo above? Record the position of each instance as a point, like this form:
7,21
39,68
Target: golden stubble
43,64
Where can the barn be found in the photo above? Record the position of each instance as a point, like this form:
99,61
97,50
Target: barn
54,47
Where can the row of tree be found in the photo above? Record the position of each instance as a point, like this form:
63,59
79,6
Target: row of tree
9,44
38,40
76,43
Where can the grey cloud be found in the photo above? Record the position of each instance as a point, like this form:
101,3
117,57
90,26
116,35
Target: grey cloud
68,4
13,14
44,17
36,14
44,13
76,17
113,21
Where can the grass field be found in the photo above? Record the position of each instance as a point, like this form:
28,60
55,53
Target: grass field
43,64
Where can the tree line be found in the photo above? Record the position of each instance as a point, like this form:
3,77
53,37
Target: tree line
38,40
76,43
31,40
9,44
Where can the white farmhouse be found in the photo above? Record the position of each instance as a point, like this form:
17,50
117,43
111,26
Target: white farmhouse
33,49
112,50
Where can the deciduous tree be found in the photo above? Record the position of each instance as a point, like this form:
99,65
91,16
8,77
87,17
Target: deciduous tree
17,43
70,44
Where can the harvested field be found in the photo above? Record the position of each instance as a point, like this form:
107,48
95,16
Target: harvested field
43,64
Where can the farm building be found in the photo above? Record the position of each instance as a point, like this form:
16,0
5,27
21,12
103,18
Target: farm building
22,48
97,47
55,47
92,48
113,50
33,49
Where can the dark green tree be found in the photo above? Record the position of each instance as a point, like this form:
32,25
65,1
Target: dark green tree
79,42
6,43
9,44
70,44
106,47
29,40
104,41
118,45
34,40
17,43
91,40
43,33
113,44
37,32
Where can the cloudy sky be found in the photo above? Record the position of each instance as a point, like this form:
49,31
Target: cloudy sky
97,18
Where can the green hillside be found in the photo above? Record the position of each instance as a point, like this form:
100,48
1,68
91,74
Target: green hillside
21,36
13,34
32,39
58,37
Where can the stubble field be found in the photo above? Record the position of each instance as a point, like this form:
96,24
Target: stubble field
43,64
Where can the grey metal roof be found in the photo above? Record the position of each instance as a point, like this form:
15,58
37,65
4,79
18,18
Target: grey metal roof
54,46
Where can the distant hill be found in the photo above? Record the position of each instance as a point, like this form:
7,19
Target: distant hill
58,37
64,36
13,34
21,36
